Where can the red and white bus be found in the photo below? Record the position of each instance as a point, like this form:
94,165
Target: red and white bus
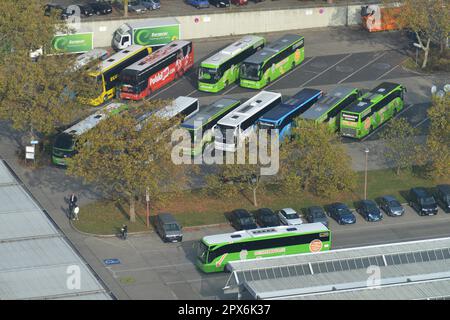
151,73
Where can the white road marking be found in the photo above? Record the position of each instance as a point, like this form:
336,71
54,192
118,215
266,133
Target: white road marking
421,122
188,95
326,70
389,71
364,66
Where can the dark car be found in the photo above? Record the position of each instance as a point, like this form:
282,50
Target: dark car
220,3
369,210
316,214
391,206
101,7
86,10
265,217
241,219
168,228
443,197
423,202
52,7
341,213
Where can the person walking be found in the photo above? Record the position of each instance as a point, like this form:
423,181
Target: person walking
124,231
72,204
76,210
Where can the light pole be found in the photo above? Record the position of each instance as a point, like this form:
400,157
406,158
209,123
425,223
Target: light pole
365,174
147,200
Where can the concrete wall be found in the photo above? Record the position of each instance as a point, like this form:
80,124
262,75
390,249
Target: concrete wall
235,23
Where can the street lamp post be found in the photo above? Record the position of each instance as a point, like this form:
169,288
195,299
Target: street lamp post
365,174
147,200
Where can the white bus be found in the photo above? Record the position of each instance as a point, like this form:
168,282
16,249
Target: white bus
240,123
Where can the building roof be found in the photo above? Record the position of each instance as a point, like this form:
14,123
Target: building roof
232,50
326,102
206,113
273,48
39,257
338,274
248,108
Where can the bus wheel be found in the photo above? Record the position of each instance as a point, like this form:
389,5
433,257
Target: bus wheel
226,83
293,65
395,112
268,80
371,128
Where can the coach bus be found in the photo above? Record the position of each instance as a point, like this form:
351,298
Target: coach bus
149,74
372,109
214,252
218,71
200,126
65,142
107,72
281,117
232,129
274,60
328,108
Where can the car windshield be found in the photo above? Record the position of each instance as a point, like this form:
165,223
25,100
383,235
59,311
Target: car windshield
370,206
394,203
427,201
292,215
317,214
171,227
249,71
246,221
202,251
208,74
64,141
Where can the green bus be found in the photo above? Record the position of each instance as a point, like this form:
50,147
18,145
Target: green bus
274,60
329,106
218,71
200,126
214,252
65,142
372,109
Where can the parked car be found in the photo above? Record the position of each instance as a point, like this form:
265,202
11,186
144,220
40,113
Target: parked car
239,2
289,216
49,8
369,210
86,10
220,3
241,219
341,213
423,202
198,3
316,214
101,7
168,228
265,217
135,6
151,4
391,206
443,197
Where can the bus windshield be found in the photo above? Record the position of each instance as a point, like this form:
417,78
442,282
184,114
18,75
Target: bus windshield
202,251
427,201
208,74
64,141
250,71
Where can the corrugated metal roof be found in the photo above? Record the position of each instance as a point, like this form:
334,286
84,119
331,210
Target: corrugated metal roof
35,259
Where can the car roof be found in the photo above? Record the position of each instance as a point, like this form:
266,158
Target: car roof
289,210
389,198
420,191
445,188
339,205
166,217
241,213
367,201
265,211
315,208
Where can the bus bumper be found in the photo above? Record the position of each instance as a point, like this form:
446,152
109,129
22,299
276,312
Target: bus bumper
59,161
251,84
206,87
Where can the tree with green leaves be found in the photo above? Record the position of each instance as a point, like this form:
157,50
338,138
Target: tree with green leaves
429,20
315,160
437,149
129,161
37,96
400,144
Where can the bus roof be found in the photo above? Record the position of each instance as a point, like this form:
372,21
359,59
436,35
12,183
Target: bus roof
371,97
158,55
91,121
291,105
248,108
327,102
177,106
263,232
273,48
232,50
208,112
119,56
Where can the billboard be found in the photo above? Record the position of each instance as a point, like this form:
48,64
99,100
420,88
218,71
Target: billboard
73,43
156,36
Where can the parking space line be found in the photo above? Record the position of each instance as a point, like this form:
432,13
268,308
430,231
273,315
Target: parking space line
326,70
290,72
421,122
188,95
364,66
232,87
389,71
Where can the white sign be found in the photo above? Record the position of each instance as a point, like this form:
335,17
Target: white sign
309,12
34,142
206,19
29,152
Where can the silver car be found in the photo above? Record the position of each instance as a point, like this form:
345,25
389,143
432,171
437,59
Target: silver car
289,216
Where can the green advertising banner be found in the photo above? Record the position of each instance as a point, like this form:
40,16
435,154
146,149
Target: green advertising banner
155,36
73,43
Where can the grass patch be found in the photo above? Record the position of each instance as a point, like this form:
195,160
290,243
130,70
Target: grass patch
437,62
194,208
